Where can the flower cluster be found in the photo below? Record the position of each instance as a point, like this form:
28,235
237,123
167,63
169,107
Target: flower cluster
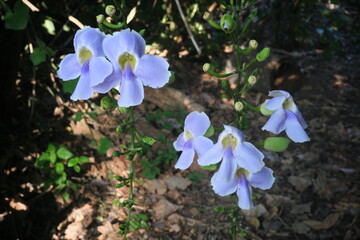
103,62
242,165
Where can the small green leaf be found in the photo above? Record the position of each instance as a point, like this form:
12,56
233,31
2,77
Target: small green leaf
105,144
44,157
83,159
66,196
78,116
69,86
51,148
148,140
77,168
64,153
73,161
38,56
59,168
18,19
53,157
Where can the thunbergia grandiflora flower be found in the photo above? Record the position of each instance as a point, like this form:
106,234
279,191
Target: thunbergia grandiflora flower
241,182
88,62
234,152
192,139
286,116
132,68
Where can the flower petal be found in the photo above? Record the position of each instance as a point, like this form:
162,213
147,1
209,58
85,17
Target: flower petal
69,68
153,71
202,144
294,130
186,157
180,142
197,123
110,82
91,38
263,179
275,103
131,90
235,132
249,157
83,89
211,156
276,123
244,194
228,166
276,93
99,69
223,188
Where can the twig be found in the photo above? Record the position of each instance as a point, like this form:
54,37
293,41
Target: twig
187,27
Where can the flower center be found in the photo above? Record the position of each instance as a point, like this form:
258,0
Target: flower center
125,59
242,171
188,135
84,55
229,140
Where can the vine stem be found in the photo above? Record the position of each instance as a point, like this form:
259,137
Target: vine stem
132,171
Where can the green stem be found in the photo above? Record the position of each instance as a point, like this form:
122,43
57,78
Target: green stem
212,72
113,26
213,24
249,106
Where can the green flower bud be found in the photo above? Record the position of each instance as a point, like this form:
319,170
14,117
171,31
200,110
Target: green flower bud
206,67
265,111
209,132
225,84
253,44
276,144
206,16
227,23
108,103
100,18
123,110
264,54
110,10
239,106
252,80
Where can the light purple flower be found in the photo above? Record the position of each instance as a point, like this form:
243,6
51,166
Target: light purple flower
241,182
234,153
133,69
192,139
286,116
88,62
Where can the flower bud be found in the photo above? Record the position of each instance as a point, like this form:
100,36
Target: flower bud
110,10
239,106
206,67
265,111
252,80
225,84
253,44
123,110
209,132
206,16
264,54
276,144
227,23
100,18
108,103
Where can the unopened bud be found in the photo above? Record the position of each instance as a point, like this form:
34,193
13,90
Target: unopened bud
206,16
253,44
209,132
206,67
265,111
108,103
239,106
276,144
224,84
227,23
100,18
252,80
264,54
110,10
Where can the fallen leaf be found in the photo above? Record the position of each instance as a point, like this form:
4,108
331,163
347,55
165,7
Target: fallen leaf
177,182
328,222
300,228
157,186
301,208
256,211
299,183
163,208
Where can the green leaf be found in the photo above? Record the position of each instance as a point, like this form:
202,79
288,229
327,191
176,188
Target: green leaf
49,26
77,168
263,55
83,159
148,140
73,161
69,86
53,157
51,148
66,196
59,168
105,144
44,157
18,19
64,153
195,177
38,56
78,116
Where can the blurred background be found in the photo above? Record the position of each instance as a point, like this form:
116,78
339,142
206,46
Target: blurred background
58,174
